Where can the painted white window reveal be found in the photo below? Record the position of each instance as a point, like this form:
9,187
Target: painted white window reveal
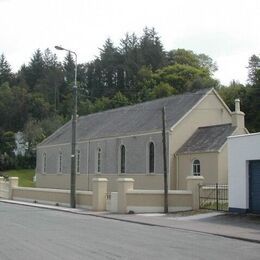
60,162
196,167
44,163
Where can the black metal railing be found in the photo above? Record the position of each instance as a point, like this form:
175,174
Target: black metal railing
213,196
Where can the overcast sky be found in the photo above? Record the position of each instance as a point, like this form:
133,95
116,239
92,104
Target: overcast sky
226,30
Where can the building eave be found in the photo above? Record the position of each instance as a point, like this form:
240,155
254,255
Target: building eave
103,138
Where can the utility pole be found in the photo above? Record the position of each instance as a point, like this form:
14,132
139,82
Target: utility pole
74,133
165,162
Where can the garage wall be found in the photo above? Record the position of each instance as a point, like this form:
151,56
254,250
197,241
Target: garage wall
241,150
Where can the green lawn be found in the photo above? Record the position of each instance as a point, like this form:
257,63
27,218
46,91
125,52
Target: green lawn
25,176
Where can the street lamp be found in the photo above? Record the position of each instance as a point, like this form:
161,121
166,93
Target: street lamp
73,137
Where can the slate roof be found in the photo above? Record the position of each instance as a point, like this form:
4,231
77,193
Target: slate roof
207,139
139,118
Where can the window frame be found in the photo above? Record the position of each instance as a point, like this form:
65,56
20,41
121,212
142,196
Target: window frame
196,167
122,169
151,158
98,160
60,162
78,162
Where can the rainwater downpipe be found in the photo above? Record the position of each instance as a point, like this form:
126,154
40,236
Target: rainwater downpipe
177,171
88,163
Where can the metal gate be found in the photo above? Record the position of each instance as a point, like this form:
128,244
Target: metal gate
213,196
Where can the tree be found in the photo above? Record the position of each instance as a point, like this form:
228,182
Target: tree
110,64
69,69
249,102
131,62
233,91
145,84
51,124
33,134
188,57
202,82
254,102
102,104
207,63
162,90
53,80
119,100
253,68
38,107
5,71
183,57
179,76
7,146
34,72
152,53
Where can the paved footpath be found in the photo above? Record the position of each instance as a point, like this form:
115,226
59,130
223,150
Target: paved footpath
240,227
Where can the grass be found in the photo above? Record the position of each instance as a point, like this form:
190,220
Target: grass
25,176
222,206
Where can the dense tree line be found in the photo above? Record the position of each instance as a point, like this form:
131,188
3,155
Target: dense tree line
249,94
38,98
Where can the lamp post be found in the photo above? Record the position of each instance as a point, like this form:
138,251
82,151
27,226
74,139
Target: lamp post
73,137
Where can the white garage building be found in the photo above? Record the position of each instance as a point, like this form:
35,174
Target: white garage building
244,173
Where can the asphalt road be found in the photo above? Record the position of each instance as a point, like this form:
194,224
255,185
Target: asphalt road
33,233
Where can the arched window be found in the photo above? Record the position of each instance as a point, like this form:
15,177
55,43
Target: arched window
44,162
99,160
78,161
60,162
196,167
122,159
151,157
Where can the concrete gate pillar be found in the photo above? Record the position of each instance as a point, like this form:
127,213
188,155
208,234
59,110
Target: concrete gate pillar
13,183
124,185
99,194
193,185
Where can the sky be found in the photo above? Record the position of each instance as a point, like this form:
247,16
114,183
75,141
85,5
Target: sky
226,30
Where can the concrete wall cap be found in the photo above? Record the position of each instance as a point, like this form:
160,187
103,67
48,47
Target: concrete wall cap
125,180
194,178
161,192
99,180
42,190
13,178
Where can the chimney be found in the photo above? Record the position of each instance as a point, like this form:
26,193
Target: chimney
238,117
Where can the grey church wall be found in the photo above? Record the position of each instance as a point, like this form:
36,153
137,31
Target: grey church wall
137,155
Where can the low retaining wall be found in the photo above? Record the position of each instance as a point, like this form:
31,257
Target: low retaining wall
144,201
6,187
124,200
52,196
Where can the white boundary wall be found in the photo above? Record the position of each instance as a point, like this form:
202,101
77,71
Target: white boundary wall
241,150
